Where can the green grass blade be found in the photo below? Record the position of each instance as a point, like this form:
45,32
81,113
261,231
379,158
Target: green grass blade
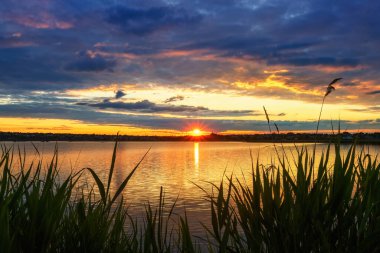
99,184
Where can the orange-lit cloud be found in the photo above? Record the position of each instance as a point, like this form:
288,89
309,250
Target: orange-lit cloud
99,90
160,65
43,20
76,127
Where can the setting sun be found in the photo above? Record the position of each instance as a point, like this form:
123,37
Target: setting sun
196,132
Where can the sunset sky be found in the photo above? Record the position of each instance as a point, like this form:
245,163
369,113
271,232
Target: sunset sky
165,67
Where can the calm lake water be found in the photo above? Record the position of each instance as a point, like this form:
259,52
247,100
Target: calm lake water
176,166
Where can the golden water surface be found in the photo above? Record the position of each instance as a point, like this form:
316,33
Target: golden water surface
176,166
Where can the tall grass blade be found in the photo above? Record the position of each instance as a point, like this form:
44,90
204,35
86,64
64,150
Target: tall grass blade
125,182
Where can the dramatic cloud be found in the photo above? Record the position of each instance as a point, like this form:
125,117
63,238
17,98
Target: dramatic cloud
267,52
373,92
120,94
87,62
145,21
44,110
324,61
368,109
175,98
146,106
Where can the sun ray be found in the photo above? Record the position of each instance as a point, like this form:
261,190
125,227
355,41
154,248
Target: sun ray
196,132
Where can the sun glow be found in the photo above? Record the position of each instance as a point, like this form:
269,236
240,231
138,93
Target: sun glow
196,132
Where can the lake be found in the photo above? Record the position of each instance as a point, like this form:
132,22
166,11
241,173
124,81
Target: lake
176,166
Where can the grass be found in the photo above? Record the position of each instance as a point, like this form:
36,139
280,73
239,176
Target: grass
41,212
335,210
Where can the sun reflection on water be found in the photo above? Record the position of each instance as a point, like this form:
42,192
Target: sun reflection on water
196,157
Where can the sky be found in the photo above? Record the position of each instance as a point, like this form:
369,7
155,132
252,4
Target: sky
164,67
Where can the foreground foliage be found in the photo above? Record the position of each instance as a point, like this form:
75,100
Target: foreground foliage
316,207
327,209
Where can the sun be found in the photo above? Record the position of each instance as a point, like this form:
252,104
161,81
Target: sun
196,132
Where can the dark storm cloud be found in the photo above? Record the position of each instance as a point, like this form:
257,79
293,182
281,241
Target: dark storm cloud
146,106
91,63
120,94
373,92
175,98
350,84
72,112
13,40
325,61
144,21
26,68
290,33
129,43
375,109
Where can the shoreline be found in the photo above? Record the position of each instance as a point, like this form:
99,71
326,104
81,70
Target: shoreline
344,138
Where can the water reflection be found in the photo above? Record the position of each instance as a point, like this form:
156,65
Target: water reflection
196,157
174,165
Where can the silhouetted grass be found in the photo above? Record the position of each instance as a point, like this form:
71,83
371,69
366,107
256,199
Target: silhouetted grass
337,210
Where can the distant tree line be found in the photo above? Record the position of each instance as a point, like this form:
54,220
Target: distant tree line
345,137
